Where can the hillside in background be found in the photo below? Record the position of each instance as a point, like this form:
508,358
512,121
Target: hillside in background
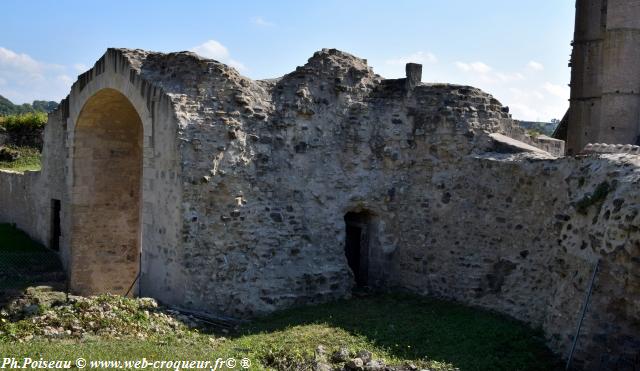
545,128
8,108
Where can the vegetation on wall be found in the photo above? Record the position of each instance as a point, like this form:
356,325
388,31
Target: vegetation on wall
21,141
19,158
24,122
596,198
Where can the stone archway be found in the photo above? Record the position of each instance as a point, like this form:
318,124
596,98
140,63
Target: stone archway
106,195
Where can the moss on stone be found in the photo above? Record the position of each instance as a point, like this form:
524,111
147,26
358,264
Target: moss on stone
594,198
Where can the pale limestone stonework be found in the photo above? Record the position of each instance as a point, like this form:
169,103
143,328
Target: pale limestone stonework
241,196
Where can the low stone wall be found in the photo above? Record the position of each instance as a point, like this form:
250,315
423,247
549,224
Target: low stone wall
555,147
522,237
17,205
25,198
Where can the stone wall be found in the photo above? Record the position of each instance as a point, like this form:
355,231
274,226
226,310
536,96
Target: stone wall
527,246
543,142
15,199
272,167
291,157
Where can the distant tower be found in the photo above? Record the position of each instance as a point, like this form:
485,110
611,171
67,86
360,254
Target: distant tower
605,74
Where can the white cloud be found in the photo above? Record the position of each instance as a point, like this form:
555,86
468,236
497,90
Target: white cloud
260,21
24,79
523,111
418,57
212,49
535,66
522,88
522,91
559,91
478,67
215,50
19,62
80,68
65,79
525,94
506,77
486,74
535,105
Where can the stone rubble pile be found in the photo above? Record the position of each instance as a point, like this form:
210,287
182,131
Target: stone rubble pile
342,360
48,314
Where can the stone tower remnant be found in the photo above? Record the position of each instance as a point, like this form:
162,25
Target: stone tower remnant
605,74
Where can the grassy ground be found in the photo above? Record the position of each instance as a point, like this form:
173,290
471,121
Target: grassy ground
398,328
29,160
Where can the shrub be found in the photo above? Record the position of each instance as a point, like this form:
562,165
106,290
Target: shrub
596,198
25,122
534,133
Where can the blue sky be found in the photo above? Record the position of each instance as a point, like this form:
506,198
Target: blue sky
516,50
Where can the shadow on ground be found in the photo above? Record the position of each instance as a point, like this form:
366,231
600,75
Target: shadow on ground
412,327
25,263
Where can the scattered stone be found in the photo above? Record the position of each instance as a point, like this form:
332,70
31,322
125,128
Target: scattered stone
31,310
320,354
322,366
355,364
364,355
374,365
341,355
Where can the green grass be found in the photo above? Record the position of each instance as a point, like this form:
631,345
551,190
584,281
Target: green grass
398,328
401,327
29,160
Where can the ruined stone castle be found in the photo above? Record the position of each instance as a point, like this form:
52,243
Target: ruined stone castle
211,191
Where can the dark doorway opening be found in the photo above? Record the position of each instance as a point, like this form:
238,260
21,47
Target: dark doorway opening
356,246
55,225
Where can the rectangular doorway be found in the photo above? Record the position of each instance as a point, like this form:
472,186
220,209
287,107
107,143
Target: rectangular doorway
356,247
